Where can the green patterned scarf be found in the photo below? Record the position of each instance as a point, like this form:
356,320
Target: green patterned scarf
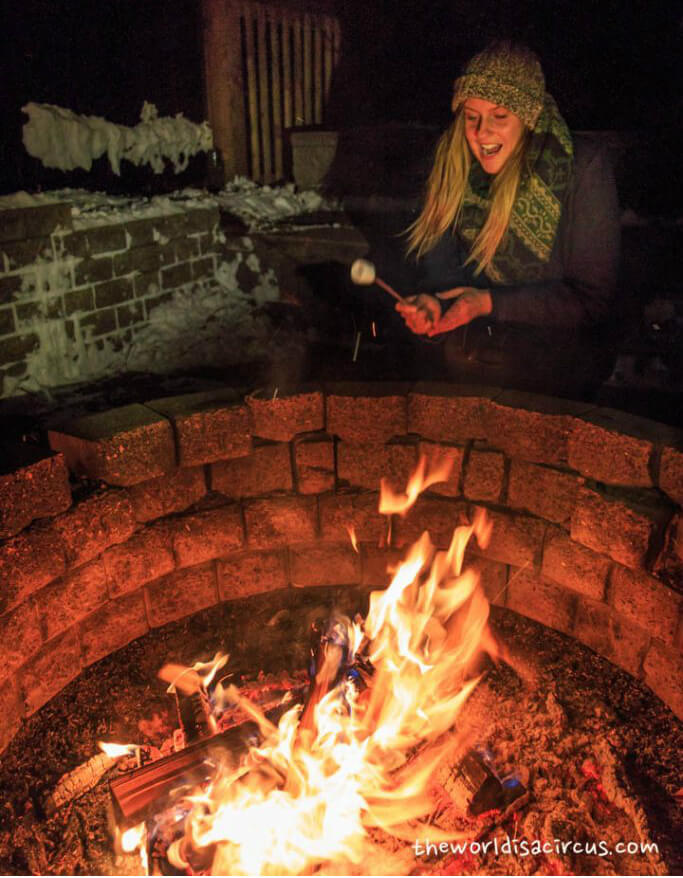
528,242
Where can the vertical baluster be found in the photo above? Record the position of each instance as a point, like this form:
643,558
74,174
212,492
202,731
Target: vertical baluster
287,69
252,92
264,94
308,69
318,70
275,54
298,72
328,44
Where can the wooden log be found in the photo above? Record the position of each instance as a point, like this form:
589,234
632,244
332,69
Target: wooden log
145,791
252,91
276,67
264,95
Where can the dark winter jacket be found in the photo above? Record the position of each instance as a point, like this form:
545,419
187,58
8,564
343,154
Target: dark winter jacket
580,277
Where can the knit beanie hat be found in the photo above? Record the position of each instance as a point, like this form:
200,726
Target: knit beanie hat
507,75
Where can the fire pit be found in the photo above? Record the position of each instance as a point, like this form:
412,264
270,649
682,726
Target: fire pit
585,541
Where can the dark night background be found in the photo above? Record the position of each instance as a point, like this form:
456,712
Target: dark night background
610,65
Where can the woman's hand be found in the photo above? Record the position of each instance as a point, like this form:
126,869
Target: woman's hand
421,313
470,303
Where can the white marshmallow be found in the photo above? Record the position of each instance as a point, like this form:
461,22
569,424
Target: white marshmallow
363,272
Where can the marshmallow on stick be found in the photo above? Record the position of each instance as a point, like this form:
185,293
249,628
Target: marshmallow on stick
363,273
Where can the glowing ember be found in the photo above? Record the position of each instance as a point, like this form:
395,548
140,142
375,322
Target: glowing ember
362,752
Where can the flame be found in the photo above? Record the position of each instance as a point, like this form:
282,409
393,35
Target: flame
352,536
357,757
419,481
115,751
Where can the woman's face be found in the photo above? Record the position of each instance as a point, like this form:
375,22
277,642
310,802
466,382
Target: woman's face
492,133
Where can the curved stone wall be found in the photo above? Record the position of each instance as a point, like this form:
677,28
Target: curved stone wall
181,503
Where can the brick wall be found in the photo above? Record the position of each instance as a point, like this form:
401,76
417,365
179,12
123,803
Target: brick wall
72,287
207,498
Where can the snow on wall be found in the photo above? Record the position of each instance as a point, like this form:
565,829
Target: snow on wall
65,140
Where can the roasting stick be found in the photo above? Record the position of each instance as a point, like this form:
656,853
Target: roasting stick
363,274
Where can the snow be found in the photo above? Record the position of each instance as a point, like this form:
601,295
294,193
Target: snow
65,140
264,206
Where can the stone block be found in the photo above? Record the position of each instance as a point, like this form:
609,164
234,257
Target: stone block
72,597
484,475
94,270
614,526
176,275
671,473
516,539
7,323
16,347
197,219
113,626
140,232
614,447
449,413
438,516
11,710
34,483
207,535
646,601
50,670
366,412
314,465
533,428
167,494
268,468
105,239
28,562
147,555
324,564
663,669
280,521
492,575
339,512
366,465
94,524
436,455
574,566
283,415
122,446
20,636
376,563
543,491
247,573
611,635
205,267
209,426
99,322
531,595
182,593
20,254
39,221
79,300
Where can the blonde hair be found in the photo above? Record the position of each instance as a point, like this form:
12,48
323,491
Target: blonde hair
445,195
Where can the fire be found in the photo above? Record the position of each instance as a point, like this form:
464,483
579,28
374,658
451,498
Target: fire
360,754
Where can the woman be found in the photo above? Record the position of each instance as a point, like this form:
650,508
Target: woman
518,239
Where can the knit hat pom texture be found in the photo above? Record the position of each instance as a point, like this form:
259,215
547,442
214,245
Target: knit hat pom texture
507,75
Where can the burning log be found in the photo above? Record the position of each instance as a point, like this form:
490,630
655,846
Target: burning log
83,778
149,789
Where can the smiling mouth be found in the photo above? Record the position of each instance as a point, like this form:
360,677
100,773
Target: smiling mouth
491,149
